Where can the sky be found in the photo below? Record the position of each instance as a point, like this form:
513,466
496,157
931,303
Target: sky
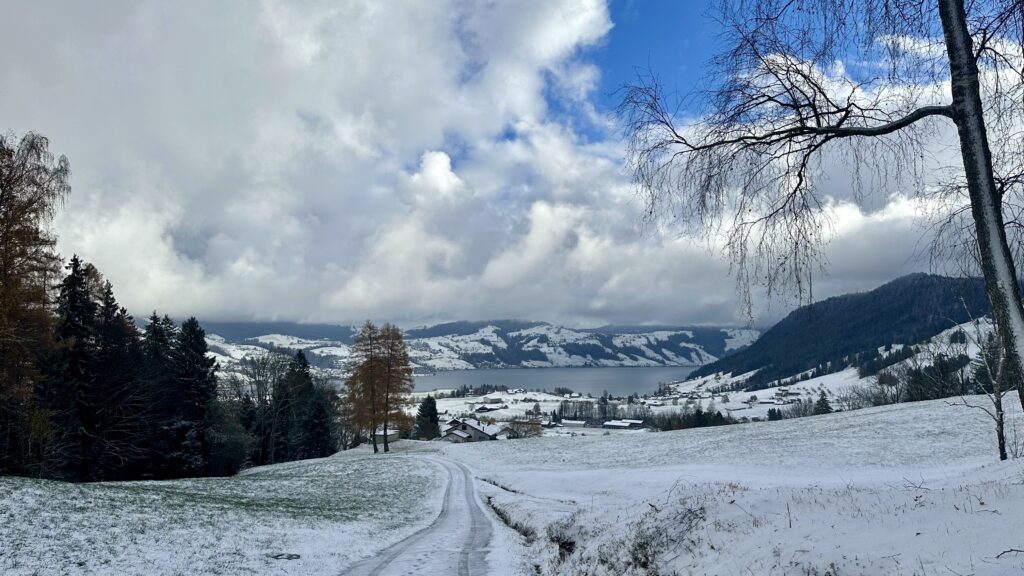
418,162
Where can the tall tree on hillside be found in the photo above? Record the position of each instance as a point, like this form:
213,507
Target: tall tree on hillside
158,338
293,402
780,109
72,394
397,382
427,425
364,394
320,427
33,184
122,401
195,387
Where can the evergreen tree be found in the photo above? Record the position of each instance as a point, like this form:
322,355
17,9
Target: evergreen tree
157,350
427,426
71,392
822,406
320,432
123,405
295,407
195,385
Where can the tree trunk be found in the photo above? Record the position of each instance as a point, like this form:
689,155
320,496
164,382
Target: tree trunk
986,204
1000,433
386,449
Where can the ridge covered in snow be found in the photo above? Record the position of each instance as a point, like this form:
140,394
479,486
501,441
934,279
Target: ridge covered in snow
508,344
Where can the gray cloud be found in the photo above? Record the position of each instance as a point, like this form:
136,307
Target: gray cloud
332,161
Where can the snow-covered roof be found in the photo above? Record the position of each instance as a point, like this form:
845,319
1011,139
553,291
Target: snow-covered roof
617,423
489,429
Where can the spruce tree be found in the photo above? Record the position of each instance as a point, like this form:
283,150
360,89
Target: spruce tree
822,406
427,427
122,410
319,426
158,382
292,403
195,384
72,396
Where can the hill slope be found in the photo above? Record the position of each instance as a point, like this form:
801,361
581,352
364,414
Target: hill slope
828,333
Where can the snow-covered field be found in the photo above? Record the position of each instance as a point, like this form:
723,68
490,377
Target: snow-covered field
912,489
330,512
908,489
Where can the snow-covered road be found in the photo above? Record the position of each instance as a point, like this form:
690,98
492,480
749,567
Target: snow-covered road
455,543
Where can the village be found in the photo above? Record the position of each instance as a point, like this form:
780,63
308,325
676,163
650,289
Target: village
512,413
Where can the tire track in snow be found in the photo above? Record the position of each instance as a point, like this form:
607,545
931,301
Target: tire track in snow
456,541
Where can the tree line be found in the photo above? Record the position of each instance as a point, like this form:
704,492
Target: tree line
99,399
88,395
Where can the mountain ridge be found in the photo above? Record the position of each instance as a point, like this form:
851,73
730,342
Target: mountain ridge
467,345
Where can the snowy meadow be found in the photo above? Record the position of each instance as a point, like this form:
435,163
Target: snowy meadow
307,517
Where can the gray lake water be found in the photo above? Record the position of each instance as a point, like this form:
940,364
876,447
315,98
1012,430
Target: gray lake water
615,381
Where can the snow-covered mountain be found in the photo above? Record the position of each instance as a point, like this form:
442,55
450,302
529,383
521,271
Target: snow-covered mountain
497,344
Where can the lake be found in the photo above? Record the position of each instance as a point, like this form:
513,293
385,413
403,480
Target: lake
616,381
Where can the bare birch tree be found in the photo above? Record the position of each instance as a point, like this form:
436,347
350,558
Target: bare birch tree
782,107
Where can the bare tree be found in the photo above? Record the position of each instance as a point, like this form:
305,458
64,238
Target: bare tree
782,109
396,379
363,387
989,372
255,385
33,184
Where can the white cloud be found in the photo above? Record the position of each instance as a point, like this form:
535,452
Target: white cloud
331,161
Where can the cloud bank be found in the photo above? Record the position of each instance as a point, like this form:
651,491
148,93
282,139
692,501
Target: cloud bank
335,161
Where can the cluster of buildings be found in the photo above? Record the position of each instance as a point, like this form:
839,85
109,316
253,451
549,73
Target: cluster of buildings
472,430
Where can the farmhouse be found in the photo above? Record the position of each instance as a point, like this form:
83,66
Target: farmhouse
623,424
468,430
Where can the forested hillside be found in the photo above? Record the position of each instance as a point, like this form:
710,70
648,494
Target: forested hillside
848,330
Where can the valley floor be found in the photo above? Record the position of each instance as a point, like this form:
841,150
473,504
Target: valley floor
911,489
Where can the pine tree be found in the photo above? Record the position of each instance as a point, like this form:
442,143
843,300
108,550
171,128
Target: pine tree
158,338
427,426
293,408
72,394
822,406
195,384
123,401
319,427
